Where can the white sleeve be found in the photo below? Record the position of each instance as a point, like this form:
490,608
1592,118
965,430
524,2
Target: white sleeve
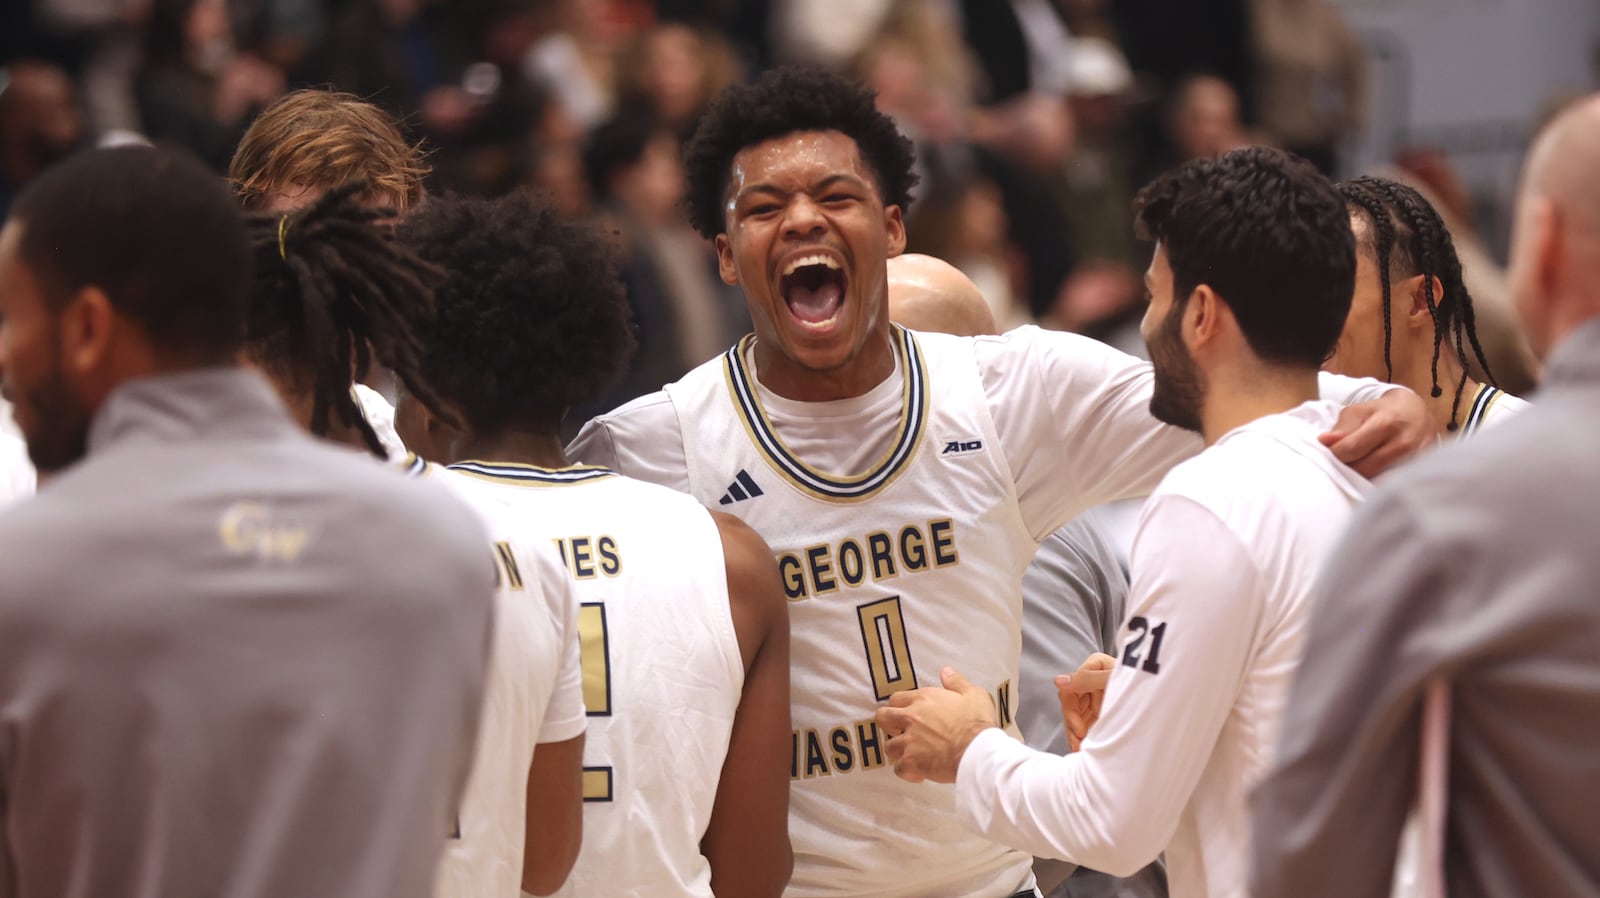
1073,418
1115,804
1348,391
641,440
565,717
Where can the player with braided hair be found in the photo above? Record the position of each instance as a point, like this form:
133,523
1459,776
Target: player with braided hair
312,141
1409,285
331,292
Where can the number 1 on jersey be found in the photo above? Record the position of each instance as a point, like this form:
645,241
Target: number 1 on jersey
594,644
883,632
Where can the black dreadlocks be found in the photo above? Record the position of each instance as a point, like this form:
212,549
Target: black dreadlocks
333,289
1407,238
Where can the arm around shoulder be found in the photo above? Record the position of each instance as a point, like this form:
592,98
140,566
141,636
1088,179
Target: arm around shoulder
747,842
1073,418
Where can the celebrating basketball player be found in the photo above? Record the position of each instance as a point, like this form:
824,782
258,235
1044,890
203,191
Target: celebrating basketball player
904,479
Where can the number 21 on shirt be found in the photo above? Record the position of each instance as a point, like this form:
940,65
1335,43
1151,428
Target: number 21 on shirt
1134,654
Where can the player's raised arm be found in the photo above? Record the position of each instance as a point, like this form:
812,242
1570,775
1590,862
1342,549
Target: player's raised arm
747,842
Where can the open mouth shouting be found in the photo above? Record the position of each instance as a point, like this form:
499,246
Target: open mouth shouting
813,286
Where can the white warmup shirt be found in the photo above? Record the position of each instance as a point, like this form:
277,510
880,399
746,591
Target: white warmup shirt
903,520
1224,564
534,696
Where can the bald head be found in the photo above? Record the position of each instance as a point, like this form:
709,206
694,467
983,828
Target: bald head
929,294
1556,248
1564,162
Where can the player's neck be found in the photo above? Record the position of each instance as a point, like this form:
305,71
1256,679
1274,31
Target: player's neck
1236,401
783,376
1443,406
542,450
300,409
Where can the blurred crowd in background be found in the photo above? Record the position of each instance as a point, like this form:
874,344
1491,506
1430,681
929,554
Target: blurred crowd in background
1035,120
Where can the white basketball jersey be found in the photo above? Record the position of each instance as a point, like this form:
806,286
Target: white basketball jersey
883,592
662,673
1490,406
380,416
534,693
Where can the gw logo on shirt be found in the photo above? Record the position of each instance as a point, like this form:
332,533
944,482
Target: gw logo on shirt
250,528
961,447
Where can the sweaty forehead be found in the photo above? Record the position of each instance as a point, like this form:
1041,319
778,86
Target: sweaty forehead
795,162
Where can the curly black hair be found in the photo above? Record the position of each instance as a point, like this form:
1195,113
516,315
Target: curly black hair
333,288
532,317
787,101
1407,238
1270,235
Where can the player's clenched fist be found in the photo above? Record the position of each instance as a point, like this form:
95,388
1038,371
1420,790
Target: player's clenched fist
1081,694
929,729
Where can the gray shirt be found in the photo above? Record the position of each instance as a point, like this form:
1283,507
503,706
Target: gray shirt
234,661
1072,599
1073,596
1477,564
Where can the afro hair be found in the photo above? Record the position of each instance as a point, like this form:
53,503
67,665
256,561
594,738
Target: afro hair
532,318
787,101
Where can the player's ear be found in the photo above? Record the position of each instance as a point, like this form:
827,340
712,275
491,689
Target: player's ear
725,266
86,328
1418,316
894,223
1202,315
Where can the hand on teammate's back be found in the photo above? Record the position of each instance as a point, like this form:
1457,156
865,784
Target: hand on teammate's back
1082,692
930,728
1372,437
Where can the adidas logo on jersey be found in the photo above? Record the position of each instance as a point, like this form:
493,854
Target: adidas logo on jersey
961,447
743,487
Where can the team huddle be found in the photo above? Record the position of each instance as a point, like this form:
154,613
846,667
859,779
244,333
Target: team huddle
755,634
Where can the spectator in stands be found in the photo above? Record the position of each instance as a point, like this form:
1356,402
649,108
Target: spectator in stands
397,54
39,123
674,70
1203,119
634,173
195,89
1311,84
